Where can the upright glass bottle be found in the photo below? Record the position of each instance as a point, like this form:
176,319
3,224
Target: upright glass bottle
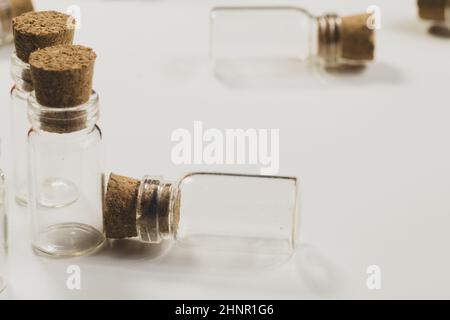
27,39
268,33
64,147
226,214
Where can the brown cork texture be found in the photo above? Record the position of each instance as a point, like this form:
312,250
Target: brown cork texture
358,40
62,75
37,30
432,9
119,213
19,7
62,121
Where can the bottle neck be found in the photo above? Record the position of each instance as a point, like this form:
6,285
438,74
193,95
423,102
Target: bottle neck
157,210
21,74
329,39
63,120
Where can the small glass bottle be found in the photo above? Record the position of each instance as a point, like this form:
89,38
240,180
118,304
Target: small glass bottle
214,212
27,40
273,33
438,12
64,150
65,178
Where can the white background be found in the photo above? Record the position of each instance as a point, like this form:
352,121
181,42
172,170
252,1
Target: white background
372,153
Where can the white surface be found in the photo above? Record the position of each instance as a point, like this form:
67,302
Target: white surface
372,153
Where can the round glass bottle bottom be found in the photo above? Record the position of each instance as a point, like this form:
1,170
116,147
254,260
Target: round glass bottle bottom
55,193
68,240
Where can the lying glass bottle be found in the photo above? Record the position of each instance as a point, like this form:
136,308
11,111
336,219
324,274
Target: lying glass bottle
285,32
214,212
436,11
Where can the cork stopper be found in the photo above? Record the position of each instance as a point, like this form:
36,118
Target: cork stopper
143,209
358,40
119,213
62,75
37,30
433,9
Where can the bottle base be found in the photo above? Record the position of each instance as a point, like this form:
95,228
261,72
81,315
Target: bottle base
68,240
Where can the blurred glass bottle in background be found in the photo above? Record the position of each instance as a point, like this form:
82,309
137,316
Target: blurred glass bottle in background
438,13
283,40
10,9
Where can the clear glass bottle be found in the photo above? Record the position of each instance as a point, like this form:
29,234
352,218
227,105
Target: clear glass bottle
21,75
275,33
2,233
5,22
218,213
65,185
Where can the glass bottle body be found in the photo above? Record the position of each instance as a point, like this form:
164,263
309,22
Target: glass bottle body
262,33
20,72
230,217
64,149
3,243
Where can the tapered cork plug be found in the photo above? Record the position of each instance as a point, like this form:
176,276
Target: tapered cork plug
358,40
432,9
119,213
37,30
62,75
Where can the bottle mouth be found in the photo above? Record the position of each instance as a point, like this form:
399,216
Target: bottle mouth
63,120
154,210
21,73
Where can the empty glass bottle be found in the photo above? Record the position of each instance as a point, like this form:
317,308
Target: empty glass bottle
224,214
65,190
271,33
